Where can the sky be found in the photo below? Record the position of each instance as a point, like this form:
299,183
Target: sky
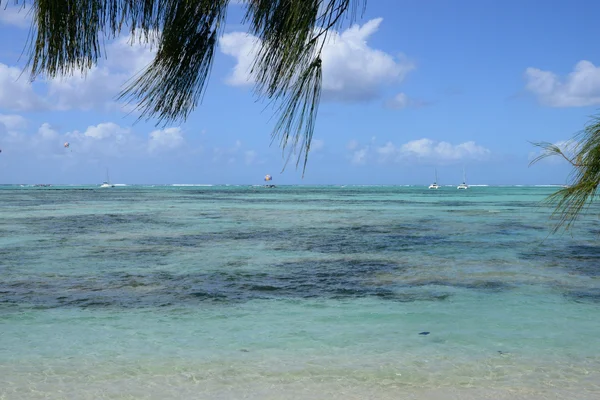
410,88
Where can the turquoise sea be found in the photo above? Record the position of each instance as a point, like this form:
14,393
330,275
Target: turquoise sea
298,292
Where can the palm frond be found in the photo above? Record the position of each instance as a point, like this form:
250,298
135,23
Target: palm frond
299,112
551,149
287,67
571,201
172,84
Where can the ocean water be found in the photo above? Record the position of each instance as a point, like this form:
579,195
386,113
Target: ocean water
225,292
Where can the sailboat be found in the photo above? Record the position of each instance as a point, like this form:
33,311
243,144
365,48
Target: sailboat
434,185
106,183
463,185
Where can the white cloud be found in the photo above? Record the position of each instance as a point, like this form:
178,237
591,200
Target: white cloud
580,88
421,150
102,141
165,139
15,15
47,142
243,47
359,157
401,100
96,89
128,55
317,145
428,149
360,154
13,122
16,92
106,130
9,131
106,139
389,149
352,70
12,127
93,90
45,131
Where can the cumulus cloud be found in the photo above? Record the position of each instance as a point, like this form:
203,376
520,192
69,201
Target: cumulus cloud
421,150
13,122
92,90
352,70
128,55
243,47
96,89
427,148
360,154
11,128
104,140
401,100
106,130
165,139
579,88
16,93
45,131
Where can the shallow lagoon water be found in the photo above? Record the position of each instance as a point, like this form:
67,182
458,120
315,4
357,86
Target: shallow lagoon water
295,292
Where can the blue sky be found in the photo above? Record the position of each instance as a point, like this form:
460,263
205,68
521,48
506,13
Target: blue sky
415,85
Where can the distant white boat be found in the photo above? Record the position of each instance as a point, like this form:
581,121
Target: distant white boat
106,183
463,185
434,185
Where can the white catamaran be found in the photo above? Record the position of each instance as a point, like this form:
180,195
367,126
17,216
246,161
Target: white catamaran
106,183
463,185
434,185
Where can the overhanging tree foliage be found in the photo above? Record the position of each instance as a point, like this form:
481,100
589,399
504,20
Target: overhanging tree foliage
68,35
583,153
